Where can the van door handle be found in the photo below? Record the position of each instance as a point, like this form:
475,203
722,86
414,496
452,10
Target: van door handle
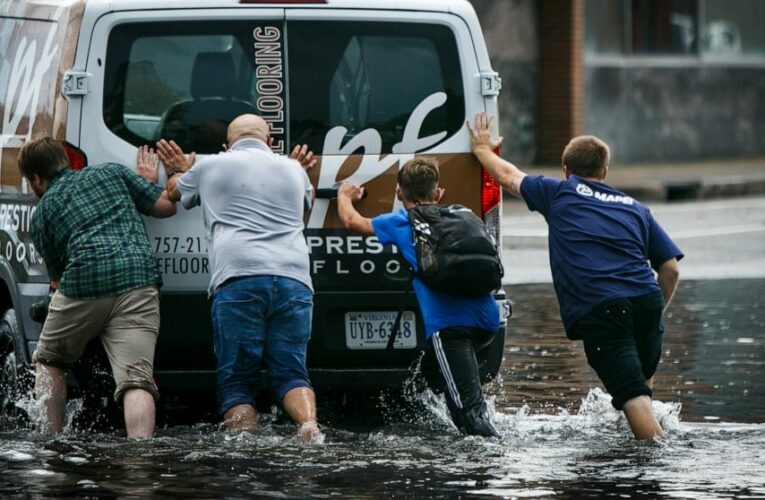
332,193
326,193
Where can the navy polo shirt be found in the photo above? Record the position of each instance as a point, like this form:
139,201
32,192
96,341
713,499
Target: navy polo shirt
602,242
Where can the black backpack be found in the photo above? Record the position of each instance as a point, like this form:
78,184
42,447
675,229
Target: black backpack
455,252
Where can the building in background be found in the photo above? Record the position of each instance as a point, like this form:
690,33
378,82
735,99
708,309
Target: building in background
659,80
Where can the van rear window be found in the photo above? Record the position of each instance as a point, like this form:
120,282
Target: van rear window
363,75
186,80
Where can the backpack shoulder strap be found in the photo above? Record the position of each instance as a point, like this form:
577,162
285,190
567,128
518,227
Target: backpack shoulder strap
397,323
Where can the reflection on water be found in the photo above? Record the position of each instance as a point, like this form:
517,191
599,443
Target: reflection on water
560,436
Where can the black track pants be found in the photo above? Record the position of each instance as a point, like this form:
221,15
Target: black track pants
450,366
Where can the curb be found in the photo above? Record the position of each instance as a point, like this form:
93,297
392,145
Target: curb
694,190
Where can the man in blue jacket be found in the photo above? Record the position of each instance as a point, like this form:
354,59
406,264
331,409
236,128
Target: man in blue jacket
601,243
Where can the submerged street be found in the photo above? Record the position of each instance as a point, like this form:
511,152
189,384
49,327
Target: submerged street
560,437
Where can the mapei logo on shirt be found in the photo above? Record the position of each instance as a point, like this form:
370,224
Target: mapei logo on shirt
585,190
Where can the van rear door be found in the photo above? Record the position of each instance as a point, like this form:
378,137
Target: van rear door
369,90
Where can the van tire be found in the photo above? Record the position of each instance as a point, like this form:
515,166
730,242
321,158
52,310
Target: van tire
15,377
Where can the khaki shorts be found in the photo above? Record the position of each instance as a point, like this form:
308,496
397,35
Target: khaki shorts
128,326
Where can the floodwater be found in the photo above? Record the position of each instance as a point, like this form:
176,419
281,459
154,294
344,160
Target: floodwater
560,436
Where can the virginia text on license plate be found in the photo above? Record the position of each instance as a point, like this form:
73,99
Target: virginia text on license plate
371,329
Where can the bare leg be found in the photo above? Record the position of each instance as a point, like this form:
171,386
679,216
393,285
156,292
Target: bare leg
50,390
241,418
300,405
649,383
139,413
641,418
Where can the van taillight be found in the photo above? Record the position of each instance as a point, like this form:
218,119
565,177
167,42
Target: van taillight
77,158
491,192
491,206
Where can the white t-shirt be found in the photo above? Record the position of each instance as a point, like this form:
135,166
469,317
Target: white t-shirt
252,202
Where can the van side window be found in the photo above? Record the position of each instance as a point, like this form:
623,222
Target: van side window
363,75
183,81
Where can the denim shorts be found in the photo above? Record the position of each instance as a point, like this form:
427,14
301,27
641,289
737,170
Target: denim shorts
622,340
260,320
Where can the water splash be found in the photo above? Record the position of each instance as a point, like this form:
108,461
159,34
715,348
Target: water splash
668,415
33,408
72,410
36,412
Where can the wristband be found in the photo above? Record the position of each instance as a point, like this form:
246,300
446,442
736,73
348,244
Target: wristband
173,171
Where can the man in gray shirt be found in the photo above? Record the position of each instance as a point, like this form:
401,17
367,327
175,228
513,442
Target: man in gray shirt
253,202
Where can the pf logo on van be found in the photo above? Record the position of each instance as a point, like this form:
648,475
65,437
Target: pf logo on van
373,163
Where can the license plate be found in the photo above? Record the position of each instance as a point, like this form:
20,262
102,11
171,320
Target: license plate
371,330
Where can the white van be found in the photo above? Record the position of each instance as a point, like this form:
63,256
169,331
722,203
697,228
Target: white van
367,84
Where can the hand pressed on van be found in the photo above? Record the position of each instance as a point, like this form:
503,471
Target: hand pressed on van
349,216
175,162
172,156
483,145
147,164
304,156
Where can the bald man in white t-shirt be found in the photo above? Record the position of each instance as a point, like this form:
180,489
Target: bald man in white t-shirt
253,202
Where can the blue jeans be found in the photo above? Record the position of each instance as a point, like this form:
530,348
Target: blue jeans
260,319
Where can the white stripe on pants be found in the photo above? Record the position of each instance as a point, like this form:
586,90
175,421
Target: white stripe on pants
445,371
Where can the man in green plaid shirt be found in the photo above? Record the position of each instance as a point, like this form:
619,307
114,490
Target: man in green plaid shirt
88,229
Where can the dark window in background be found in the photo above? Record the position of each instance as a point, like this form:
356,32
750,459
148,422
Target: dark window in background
364,75
733,27
664,27
675,27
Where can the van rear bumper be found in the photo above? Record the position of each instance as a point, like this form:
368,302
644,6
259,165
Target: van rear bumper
350,378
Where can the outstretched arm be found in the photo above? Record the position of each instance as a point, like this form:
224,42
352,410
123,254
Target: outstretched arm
349,216
669,275
483,146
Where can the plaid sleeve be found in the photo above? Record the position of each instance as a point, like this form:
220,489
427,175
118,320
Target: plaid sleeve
144,193
44,245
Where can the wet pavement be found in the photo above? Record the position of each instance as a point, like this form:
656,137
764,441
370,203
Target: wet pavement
560,436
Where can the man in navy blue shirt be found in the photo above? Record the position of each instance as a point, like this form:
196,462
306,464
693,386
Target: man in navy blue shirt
455,327
603,246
